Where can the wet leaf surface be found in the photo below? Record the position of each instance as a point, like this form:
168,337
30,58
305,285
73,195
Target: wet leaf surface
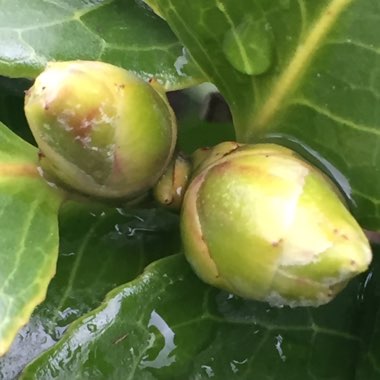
29,234
310,80
169,325
123,32
320,93
100,249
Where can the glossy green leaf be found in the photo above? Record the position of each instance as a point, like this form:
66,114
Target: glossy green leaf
100,248
29,234
368,367
167,325
123,32
320,94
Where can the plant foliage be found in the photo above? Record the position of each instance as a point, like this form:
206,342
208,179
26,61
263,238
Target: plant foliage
301,73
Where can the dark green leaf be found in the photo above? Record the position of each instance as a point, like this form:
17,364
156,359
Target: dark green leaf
169,325
100,248
321,92
368,361
123,32
12,106
202,27
29,234
195,134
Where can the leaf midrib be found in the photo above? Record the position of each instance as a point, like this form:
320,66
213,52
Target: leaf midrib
297,66
72,15
75,268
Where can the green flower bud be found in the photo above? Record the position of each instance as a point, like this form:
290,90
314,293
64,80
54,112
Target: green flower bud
170,189
203,157
101,130
263,224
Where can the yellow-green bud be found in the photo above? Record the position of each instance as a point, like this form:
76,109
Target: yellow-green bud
203,157
263,224
170,189
101,130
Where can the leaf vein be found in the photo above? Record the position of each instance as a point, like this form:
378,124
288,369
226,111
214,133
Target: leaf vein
298,63
75,267
356,43
21,246
203,51
338,119
230,22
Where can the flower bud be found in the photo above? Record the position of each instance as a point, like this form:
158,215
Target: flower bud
101,130
203,157
170,189
265,225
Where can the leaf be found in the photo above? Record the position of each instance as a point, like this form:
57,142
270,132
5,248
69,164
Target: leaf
12,106
201,26
319,95
29,234
368,367
168,325
100,248
121,32
195,134
203,118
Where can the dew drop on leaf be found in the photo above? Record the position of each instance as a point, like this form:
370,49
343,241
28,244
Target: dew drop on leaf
249,46
159,356
92,327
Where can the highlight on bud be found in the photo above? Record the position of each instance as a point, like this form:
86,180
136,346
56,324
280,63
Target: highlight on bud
101,130
263,224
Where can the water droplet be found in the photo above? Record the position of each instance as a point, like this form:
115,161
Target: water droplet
181,62
30,342
92,327
122,211
165,355
364,285
117,229
278,346
236,365
249,47
209,371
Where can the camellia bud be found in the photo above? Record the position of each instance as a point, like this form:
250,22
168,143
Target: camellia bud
263,224
170,189
101,130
